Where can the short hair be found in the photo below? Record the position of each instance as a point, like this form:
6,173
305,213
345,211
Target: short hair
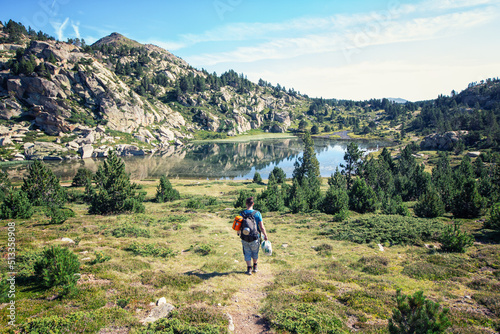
250,201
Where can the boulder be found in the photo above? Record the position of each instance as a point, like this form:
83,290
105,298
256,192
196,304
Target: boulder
6,141
44,151
52,124
444,142
10,108
68,240
474,154
158,312
127,150
86,151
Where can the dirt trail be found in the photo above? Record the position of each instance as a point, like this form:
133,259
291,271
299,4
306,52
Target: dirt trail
245,304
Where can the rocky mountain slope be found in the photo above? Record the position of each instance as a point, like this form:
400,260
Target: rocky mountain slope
68,100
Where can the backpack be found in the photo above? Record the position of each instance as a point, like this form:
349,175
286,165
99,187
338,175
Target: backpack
250,223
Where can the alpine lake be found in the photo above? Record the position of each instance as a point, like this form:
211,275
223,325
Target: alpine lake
218,160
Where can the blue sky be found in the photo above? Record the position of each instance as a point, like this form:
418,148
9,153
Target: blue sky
335,49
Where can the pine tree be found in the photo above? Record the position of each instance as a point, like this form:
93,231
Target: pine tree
257,178
297,201
165,192
16,205
113,192
362,198
42,186
352,158
272,196
468,202
429,204
82,177
442,178
416,314
278,174
306,175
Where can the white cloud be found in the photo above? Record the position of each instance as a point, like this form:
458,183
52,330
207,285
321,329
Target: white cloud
59,28
76,28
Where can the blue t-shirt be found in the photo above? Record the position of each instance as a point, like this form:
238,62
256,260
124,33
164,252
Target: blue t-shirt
258,217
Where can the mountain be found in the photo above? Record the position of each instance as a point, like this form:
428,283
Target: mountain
397,100
118,91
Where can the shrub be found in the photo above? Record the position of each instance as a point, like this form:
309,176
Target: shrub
192,320
454,240
154,250
58,215
113,191
204,250
42,186
306,318
195,203
429,204
257,178
362,198
57,267
242,197
395,206
16,205
130,231
165,192
82,178
393,229
416,314
373,265
100,258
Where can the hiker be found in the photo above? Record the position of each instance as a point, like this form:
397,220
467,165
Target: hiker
250,235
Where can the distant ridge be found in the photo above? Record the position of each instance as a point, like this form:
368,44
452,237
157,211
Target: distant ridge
397,100
117,39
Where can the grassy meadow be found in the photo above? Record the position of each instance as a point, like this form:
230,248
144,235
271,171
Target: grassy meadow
187,252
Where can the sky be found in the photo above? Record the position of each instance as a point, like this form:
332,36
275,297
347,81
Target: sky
355,49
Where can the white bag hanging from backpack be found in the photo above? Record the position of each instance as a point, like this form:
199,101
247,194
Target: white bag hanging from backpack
267,248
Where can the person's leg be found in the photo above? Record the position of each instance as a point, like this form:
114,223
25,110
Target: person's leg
247,253
255,254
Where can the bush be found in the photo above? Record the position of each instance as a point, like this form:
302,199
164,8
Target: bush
395,206
16,205
58,215
100,258
392,229
154,250
165,192
42,186
431,272
257,178
416,314
130,231
113,191
82,178
373,265
306,318
242,197
362,198
57,267
195,203
204,250
454,240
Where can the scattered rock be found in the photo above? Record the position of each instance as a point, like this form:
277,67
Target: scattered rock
284,245
71,241
230,326
380,247
473,154
161,301
158,312
86,151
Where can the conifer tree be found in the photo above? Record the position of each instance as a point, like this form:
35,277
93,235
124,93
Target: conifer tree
362,198
468,202
429,204
165,192
113,192
272,196
278,174
42,186
16,205
352,158
82,177
306,177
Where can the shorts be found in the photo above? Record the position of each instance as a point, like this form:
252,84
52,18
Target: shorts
251,249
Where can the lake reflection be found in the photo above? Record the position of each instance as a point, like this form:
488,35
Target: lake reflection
218,160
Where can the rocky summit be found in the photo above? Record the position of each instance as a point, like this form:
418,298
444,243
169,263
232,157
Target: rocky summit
68,100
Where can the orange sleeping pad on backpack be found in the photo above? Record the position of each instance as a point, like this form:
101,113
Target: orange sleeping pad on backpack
237,223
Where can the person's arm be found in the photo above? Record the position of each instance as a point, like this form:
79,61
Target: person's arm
263,229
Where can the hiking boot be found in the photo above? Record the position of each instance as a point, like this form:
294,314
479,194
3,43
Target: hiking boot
249,271
255,268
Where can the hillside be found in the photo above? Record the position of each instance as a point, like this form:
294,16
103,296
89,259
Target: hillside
83,100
